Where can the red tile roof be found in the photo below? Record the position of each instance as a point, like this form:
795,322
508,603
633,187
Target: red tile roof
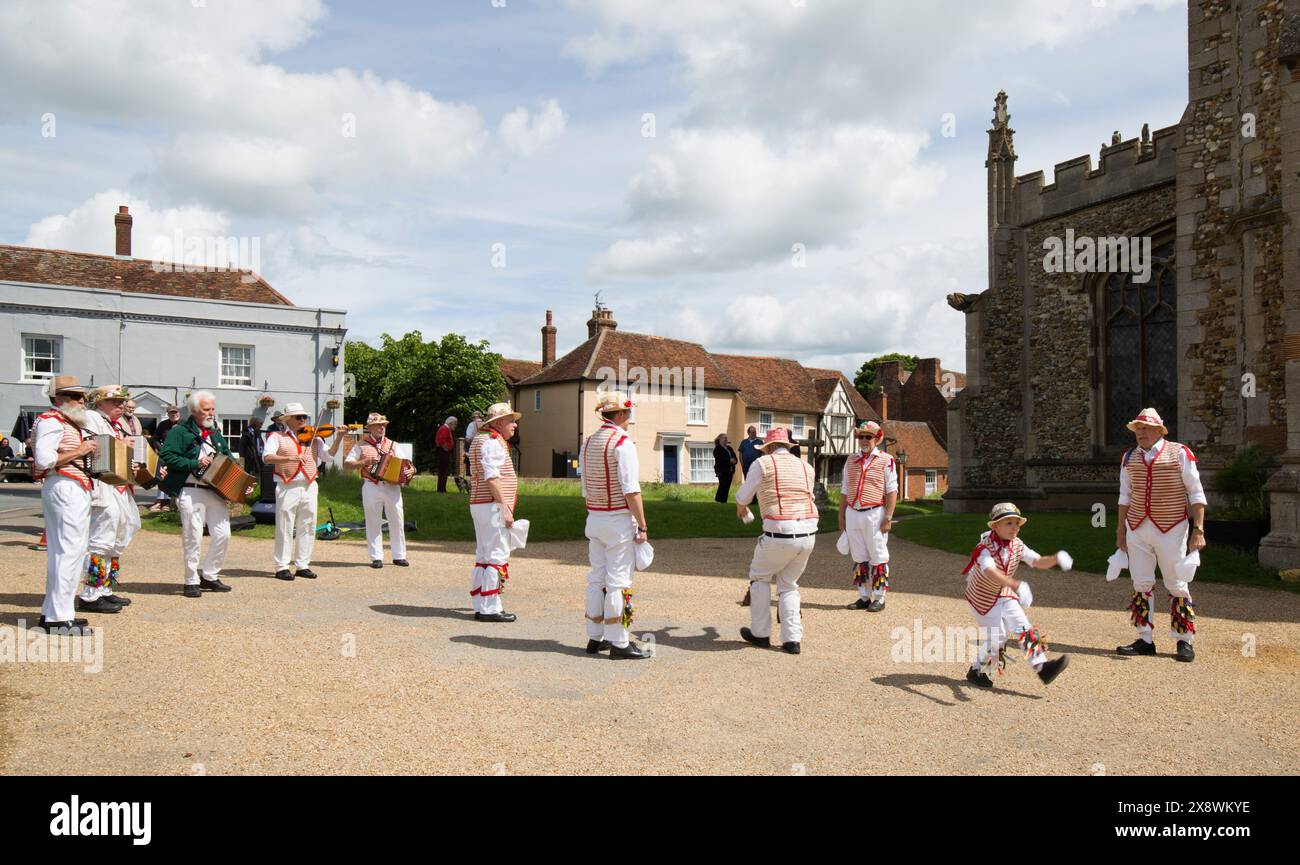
84,270
776,383
918,440
516,371
635,351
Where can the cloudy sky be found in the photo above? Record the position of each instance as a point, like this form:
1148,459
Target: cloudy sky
762,176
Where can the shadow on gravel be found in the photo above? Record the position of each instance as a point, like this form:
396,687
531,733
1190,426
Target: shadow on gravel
34,531
961,689
710,641
1054,647
23,599
410,612
508,644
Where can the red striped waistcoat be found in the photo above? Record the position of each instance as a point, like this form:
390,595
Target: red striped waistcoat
70,442
479,491
786,492
600,484
372,450
1156,491
866,477
983,590
287,444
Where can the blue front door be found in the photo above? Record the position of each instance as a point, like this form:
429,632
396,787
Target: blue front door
670,464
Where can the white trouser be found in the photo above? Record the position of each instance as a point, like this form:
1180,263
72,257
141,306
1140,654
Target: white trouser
111,528
295,513
492,547
380,500
66,505
867,544
1147,547
779,560
198,506
612,536
1004,619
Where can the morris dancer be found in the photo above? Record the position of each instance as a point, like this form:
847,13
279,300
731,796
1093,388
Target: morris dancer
868,494
784,486
59,458
1158,485
114,515
616,523
494,493
296,491
380,498
998,599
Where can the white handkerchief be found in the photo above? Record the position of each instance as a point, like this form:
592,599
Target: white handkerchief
1186,568
843,544
1117,562
747,517
1064,560
1026,596
645,554
519,535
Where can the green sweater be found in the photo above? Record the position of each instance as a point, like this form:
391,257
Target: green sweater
180,453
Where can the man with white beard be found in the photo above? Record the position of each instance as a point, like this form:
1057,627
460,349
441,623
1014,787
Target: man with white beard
190,448
114,515
60,454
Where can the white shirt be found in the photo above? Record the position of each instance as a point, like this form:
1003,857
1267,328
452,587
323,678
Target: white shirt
470,432
987,561
891,477
1191,475
629,469
492,456
49,435
749,489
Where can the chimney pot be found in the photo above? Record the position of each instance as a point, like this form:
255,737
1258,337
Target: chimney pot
122,224
601,319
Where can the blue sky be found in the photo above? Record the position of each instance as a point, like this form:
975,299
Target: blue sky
481,128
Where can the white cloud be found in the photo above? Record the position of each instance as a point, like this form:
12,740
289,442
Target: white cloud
527,133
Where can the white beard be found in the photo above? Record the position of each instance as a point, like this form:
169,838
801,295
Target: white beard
75,413
206,424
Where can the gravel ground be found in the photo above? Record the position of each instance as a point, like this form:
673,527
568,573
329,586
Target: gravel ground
262,680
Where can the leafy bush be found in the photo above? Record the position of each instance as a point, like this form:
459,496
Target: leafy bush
1242,483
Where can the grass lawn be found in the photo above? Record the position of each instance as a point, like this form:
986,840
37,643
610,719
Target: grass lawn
1090,547
554,508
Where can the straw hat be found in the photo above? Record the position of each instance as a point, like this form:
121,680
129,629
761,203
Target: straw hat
869,428
776,436
375,418
1005,511
64,384
1148,417
290,409
108,391
499,411
613,401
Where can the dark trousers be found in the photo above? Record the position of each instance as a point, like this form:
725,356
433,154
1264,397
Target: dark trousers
724,485
444,466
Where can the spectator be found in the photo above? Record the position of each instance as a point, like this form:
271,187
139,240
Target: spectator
749,450
251,446
6,449
724,466
445,444
159,436
470,431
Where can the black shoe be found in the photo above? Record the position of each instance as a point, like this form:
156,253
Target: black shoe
875,606
1137,647
1052,669
630,652
73,628
99,605
748,636
376,563
193,592
213,585
306,573
119,600
401,563
791,648
495,617
283,574
978,678
595,647
1185,652
859,604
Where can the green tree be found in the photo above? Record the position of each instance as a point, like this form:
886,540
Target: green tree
417,384
865,380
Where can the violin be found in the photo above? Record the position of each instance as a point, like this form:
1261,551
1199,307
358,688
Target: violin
308,433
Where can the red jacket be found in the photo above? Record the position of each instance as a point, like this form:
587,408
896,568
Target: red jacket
443,439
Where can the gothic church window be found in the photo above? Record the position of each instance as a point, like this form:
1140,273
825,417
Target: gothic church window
1139,345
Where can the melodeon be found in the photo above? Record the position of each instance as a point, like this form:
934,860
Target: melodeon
112,461
227,479
390,468
146,471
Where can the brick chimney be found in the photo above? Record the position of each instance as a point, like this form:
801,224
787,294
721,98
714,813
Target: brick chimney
928,371
548,342
601,319
882,403
122,222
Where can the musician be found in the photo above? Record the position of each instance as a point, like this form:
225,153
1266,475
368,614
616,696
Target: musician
188,450
616,523
296,463
114,516
380,498
494,493
59,456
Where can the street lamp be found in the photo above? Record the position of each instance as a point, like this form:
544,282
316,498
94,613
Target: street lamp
902,461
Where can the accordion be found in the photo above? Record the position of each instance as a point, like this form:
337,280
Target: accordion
227,479
146,458
111,463
390,468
